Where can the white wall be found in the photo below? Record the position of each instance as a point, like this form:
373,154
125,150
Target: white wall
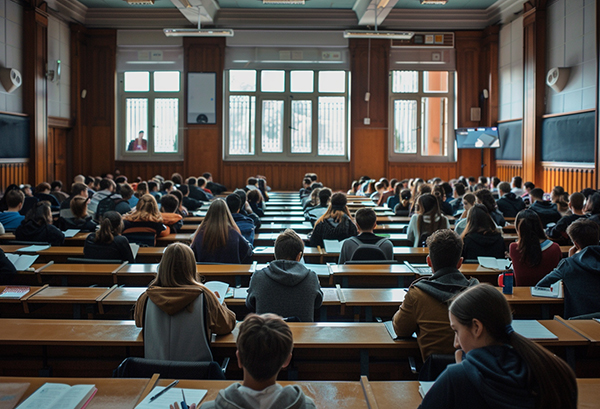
58,49
511,70
571,42
11,44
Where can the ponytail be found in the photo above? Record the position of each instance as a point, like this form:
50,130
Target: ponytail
110,226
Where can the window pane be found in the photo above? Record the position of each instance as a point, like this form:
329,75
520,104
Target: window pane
405,81
166,124
434,124
332,125
136,124
137,81
272,81
332,81
302,81
242,110
301,134
166,81
272,126
435,81
242,80
405,126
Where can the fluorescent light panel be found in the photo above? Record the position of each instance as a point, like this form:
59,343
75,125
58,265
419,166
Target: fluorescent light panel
284,2
194,32
438,2
394,35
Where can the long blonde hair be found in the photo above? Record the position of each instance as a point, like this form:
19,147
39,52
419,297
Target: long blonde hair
215,226
177,267
146,210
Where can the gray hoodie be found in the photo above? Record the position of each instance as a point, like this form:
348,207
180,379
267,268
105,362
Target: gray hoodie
286,288
290,397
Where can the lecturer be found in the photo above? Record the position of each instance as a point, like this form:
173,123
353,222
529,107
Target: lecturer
138,144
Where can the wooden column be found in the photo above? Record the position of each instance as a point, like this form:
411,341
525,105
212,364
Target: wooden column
35,101
489,80
76,143
534,70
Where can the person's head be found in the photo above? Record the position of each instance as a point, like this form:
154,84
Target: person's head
146,209
355,186
169,203
313,177
314,196
264,346
56,186
26,189
152,186
427,204
184,189
254,196
592,204
126,191
447,189
557,194
459,190
79,189
306,182
504,188
177,178
251,181
517,182
79,206
43,187
141,189
324,196
337,209
215,226
484,197
536,194
168,186
583,233
14,200
472,181
445,249
79,179
379,187
177,267
179,195
366,219
495,181
108,184
111,225
530,233
529,186
201,182
479,221
207,176
480,316
576,201
468,201
483,180
191,181
41,213
289,246
405,196
234,203
141,135
384,182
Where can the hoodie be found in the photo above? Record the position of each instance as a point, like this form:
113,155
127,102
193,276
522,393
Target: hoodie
509,204
286,288
47,233
329,229
547,212
425,310
493,377
11,220
236,396
581,279
173,221
486,245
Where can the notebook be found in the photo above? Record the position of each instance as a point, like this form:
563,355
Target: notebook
494,263
332,246
218,287
60,396
70,233
21,262
532,329
34,249
14,292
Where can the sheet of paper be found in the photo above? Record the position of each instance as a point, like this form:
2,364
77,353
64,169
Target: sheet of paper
170,396
332,246
75,397
10,393
424,387
240,293
45,396
33,249
493,263
219,288
134,249
71,233
320,269
532,329
21,262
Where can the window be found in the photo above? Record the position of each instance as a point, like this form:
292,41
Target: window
422,116
149,115
286,115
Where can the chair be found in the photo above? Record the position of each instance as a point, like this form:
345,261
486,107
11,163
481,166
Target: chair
143,239
368,252
586,316
145,368
434,365
83,260
371,262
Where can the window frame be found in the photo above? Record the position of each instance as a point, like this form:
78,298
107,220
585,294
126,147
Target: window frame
418,96
121,130
287,96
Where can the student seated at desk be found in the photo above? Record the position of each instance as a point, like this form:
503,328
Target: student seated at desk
496,367
427,220
146,218
171,310
107,243
245,224
264,347
580,272
218,238
11,218
256,202
286,287
558,232
335,224
37,226
481,237
425,306
7,269
169,204
312,213
366,220
80,220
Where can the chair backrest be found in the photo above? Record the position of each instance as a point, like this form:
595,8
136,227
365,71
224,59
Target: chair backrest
143,239
178,337
83,260
145,368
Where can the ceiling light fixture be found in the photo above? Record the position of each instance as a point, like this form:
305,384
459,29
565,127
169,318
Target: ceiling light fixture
198,32
284,2
436,2
393,35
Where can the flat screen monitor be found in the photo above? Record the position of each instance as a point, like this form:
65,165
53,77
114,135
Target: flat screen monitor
475,138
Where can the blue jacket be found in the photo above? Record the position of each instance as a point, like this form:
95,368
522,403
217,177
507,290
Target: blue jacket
11,220
246,226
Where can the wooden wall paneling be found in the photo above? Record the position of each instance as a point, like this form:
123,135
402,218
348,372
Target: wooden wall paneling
147,170
35,55
425,171
506,170
572,179
77,140
13,172
489,79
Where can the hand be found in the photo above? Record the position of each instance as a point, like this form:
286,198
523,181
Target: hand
174,406
572,251
459,355
218,296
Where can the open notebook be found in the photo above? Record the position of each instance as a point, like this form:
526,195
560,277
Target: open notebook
60,396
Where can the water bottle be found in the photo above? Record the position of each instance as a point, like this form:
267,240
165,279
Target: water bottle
508,277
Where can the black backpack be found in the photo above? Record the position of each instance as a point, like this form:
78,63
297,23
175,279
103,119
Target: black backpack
107,204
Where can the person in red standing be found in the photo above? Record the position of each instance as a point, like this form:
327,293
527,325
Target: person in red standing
533,255
139,143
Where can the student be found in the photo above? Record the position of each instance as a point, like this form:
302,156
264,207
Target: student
353,191
181,209
129,200
481,237
313,213
145,218
286,287
459,191
245,208
7,269
201,184
251,184
378,190
211,185
169,206
107,243
175,333
592,207
37,226
468,201
56,191
11,218
218,239
580,272
388,193
245,224
80,220
153,189
546,210
255,200
335,224
190,203
516,184
366,220
264,347
496,367
427,220
313,199
77,189
403,206
42,192
558,232
141,190
509,204
108,188
425,306
484,197
533,255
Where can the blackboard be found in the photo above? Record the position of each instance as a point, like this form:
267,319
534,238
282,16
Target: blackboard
14,136
569,138
510,134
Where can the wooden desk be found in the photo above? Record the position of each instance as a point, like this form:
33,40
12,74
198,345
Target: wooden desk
589,329
265,254
61,253
77,300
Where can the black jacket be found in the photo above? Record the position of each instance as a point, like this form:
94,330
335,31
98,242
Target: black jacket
119,249
558,232
486,245
87,224
509,204
547,212
7,269
47,233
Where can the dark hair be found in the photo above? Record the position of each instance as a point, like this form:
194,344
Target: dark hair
530,230
447,189
206,175
483,180
42,187
337,209
550,379
77,188
151,185
201,181
78,206
167,185
496,181
14,198
126,191
192,181
577,200
177,178
405,197
593,204
584,232
169,204
324,196
56,184
537,193
88,180
486,199
288,245
428,205
41,213
460,189
254,196
251,181
184,189
529,185
307,181
472,179
588,191
178,195
106,183
445,249
504,187
365,218
313,177
242,194
479,221
233,203
110,226
517,181
120,179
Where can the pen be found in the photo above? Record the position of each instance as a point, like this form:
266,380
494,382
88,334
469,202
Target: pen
164,390
183,403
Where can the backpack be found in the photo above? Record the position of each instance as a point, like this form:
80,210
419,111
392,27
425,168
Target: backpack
107,204
368,251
